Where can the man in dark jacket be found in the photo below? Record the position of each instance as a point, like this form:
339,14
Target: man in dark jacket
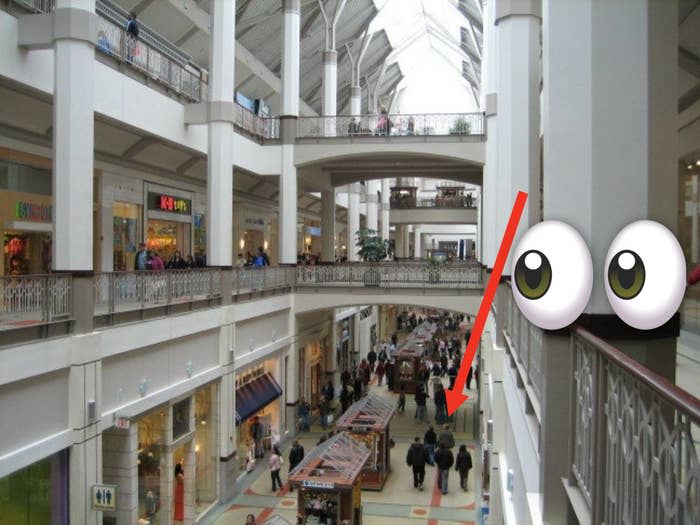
371,359
444,460
420,398
440,401
446,438
463,465
430,440
416,458
296,454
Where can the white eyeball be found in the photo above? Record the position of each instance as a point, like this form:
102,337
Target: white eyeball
645,274
552,275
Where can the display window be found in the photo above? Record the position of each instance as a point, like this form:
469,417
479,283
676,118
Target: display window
127,234
37,493
152,463
167,237
205,448
26,253
200,234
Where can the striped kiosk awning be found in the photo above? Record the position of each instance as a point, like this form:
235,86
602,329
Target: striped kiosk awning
253,396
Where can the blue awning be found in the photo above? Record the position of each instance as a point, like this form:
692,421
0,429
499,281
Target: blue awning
253,396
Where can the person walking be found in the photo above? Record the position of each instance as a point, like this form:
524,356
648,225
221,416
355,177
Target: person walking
371,359
256,432
141,258
416,459
430,440
276,463
420,398
440,400
446,438
463,465
296,454
357,386
380,373
444,459
304,415
401,407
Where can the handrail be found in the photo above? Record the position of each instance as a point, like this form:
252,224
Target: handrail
661,386
265,128
417,124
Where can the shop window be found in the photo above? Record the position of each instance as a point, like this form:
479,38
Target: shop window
36,494
151,464
26,253
200,234
205,448
181,418
126,231
24,179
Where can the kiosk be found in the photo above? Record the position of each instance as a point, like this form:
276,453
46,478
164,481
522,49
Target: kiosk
368,421
329,483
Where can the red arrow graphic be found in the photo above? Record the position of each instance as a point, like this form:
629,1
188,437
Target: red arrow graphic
456,397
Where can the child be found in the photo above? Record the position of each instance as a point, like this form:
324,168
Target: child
402,401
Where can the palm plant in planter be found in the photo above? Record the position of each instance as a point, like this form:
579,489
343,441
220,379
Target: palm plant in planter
372,248
461,126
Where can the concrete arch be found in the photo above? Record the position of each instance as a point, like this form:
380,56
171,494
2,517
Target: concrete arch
310,300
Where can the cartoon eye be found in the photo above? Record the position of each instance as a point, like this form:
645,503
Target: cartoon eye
553,275
645,274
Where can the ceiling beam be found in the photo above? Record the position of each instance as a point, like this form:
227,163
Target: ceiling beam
689,98
138,147
188,165
689,61
193,30
141,6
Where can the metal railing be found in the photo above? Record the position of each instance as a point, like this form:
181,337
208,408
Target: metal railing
128,291
183,78
391,125
396,275
38,6
634,458
265,128
246,280
34,299
526,343
462,202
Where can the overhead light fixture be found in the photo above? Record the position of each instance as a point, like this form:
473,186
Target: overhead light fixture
697,162
690,166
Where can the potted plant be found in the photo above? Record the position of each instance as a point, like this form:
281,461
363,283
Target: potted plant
372,248
434,265
460,127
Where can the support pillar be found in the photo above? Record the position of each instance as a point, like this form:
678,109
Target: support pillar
353,220
328,226
220,129
372,200
518,111
73,138
489,201
290,111
329,102
385,209
417,243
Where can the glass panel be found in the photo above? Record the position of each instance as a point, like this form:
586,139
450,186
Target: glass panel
126,231
151,465
205,447
24,179
181,418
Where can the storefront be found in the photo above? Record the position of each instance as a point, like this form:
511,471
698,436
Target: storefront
258,399
169,221
313,370
344,345
252,231
37,493
329,482
175,461
25,218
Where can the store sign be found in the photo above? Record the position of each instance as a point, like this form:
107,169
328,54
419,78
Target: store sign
33,212
361,430
169,203
122,422
104,497
312,484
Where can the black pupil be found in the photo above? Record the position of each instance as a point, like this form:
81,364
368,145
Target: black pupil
533,277
626,277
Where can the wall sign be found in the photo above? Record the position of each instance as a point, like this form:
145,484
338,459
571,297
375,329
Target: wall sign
169,203
312,484
33,211
104,497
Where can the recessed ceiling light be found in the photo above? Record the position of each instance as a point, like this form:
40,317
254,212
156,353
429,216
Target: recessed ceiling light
690,166
697,162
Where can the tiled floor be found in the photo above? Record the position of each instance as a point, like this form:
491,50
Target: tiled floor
397,503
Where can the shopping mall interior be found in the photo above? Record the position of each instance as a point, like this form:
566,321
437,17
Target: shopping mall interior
236,229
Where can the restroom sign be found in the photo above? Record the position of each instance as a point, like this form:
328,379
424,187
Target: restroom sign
104,497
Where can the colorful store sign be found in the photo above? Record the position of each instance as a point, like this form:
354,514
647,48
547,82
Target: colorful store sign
169,203
312,484
33,212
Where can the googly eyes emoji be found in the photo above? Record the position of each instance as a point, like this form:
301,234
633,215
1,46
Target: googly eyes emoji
552,275
645,274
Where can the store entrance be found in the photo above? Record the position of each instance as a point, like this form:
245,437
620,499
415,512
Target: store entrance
167,237
26,253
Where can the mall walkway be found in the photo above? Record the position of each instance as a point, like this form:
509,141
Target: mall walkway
398,499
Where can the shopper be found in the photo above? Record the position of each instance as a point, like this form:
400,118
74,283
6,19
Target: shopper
296,455
265,258
380,373
141,259
276,462
440,400
241,261
371,359
250,519
132,34
463,465
257,432
420,398
444,460
304,415
402,401
446,438
430,440
176,262
156,263
416,459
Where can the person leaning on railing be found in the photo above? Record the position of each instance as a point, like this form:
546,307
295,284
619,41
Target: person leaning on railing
132,35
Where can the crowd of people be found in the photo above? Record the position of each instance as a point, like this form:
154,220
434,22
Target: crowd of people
151,260
258,260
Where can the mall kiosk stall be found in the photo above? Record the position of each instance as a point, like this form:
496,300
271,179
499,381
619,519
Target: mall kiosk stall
329,482
368,421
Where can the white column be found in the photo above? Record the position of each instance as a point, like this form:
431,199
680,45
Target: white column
489,103
290,111
417,244
220,148
355,100
615,113
73,148
518,112
385,209
330,91
353,220
372,200
328,226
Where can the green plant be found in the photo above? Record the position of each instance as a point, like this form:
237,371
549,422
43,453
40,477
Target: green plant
372,247
460,127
